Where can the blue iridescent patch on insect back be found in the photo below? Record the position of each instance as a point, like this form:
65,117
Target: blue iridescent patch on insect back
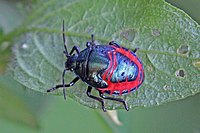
125,69
107,68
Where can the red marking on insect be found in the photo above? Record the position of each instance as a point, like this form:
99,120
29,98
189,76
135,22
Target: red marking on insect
126,85
107,68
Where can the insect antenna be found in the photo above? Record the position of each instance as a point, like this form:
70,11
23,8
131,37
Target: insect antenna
64,41
92,38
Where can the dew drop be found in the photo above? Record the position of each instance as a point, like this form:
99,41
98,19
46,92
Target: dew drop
180,73
128,34
183,49
155,32
24,46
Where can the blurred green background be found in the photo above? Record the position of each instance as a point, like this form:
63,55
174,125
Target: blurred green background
49,114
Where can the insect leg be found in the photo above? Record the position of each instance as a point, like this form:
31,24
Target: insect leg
114,99
114,43
95,98
65,85
89,43
92,39
135,50
76,49
63,82
64,40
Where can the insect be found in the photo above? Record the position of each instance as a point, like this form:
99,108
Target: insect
110,69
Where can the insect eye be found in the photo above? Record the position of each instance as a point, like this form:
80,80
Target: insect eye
88,44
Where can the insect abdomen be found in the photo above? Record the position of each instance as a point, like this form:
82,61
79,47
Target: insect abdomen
124,73
125,70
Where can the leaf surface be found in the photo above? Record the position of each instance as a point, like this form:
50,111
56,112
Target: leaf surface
12,106
168,40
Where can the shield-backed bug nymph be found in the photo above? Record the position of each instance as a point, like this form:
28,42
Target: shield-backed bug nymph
110,69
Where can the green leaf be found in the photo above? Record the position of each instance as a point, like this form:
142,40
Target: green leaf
167,37
9,19
12,106
5,50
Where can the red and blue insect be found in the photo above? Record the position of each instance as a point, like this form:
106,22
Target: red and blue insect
110,69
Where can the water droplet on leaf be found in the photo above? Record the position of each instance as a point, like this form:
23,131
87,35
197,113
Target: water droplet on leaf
24,46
